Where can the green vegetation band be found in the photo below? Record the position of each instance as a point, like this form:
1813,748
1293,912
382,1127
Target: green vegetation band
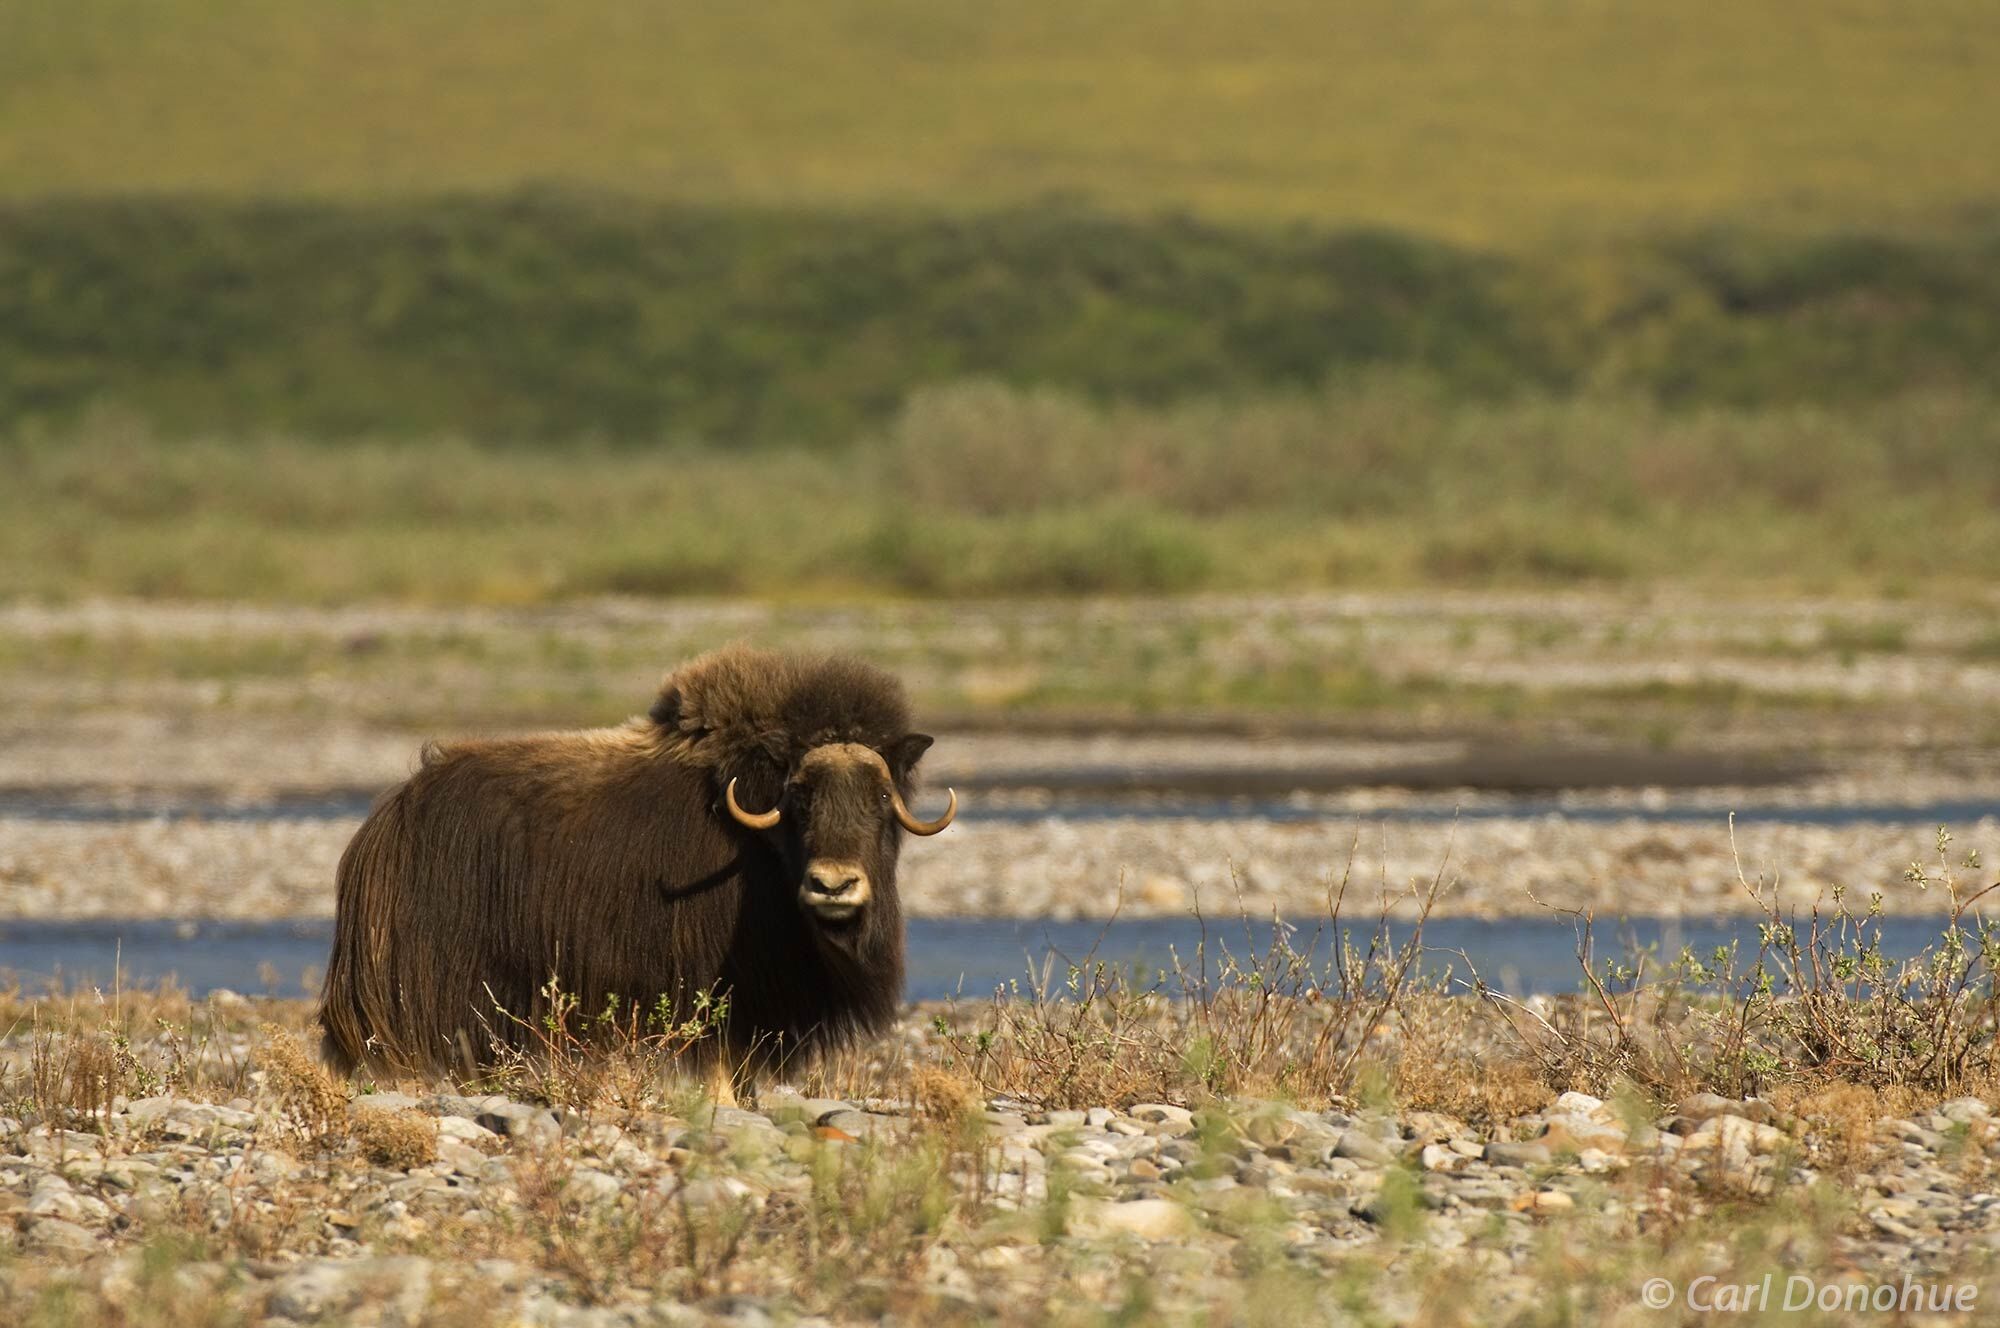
550,316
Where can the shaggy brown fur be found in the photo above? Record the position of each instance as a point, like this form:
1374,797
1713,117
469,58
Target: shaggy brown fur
605,859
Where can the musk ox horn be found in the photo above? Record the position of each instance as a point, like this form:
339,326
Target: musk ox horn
755,820
916,827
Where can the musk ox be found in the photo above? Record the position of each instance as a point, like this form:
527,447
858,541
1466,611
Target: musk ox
739,839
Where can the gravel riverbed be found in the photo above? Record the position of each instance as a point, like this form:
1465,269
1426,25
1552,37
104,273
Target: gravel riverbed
426,1206
282,868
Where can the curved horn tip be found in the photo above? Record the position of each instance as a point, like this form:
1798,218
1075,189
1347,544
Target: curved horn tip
916,827
755,820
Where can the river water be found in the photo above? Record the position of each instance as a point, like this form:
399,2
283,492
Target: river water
964,957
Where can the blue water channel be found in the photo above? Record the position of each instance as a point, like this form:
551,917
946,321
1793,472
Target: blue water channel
966,958
962,957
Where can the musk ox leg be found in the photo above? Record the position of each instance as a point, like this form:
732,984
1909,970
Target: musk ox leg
334,1057
352,1001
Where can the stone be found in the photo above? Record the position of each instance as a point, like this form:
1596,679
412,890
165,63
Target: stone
1084,1166
1963,1110
1380,1206
1912,1133
390,1102
1506,1153
1147,1219
57,1235
1596,1161
54,1198
1154,1113
269,1166
1275,1129
470,1108
503,1274
465,1130
1541,1202
710,1192
1573,1134
521,1122
783,1105
1705,1106
329,1289
314,1292
153,1108
1893,1227
1578,1104
1437,1157
1733,1140
1359,1146
461,1158
848,1121
1165,1127
1492,1193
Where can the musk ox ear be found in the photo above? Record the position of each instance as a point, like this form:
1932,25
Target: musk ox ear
759,785
666,711
761,762
904,753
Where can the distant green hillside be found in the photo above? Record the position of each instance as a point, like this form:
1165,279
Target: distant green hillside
979,489
1494,123
554,316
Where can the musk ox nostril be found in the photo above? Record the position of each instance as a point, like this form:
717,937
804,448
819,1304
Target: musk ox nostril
834,884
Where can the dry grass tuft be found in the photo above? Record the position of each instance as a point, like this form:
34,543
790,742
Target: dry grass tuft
73,1077
1444,1063
1846,1117
305,1090
400,1139
943,1095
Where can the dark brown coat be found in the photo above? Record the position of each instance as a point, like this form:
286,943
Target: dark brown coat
608,861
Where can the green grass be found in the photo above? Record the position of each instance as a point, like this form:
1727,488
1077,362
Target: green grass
548,317
981,490
1495,123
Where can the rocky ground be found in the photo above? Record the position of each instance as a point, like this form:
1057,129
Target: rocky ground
260,1197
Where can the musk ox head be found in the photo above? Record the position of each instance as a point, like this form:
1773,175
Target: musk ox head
814,759
834,825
